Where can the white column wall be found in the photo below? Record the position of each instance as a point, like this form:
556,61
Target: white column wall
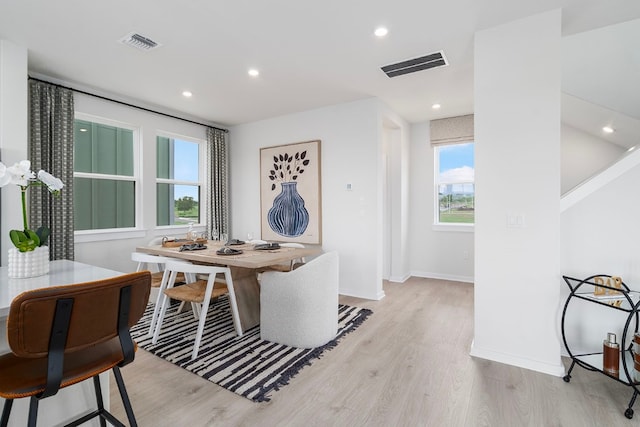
517,131
14,136
396,132
350,152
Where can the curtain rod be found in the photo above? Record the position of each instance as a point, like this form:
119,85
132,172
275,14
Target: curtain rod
129,105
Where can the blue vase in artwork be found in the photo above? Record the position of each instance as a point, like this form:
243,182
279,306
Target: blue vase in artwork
288,217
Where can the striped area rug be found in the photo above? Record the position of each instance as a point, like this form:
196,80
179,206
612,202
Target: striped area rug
247,365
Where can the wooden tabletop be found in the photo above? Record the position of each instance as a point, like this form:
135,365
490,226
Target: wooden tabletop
249,258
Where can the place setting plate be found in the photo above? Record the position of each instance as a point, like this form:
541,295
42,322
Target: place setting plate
225,250
192,247
266,247
234,242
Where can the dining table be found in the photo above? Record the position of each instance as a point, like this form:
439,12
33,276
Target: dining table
244,267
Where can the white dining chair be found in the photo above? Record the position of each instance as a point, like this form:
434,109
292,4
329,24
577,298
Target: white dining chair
159,278
300,308
153,263
198,292
292,265
295,263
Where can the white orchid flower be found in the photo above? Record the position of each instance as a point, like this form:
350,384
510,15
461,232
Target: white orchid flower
26,240
53,184
21,173
5,176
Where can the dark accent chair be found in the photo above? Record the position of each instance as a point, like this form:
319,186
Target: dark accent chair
62,335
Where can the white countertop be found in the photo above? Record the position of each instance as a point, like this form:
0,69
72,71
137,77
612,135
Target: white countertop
61,272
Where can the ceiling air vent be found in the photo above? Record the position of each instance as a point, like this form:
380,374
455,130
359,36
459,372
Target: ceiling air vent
138,41
432,60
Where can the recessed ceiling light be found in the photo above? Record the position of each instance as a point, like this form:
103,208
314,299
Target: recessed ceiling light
83,129
254,73
187,94
436,106
632,148
608,129
381,32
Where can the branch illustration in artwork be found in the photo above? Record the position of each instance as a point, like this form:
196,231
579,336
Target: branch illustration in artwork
287,168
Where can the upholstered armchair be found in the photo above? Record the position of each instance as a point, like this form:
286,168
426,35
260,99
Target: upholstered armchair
300,308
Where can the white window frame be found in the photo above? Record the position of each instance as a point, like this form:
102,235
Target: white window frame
445,226
84,236
204,194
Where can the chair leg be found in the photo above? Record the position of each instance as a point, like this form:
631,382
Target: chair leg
163,308
156,308
180,308
33,411
99,402
234,305
6,412
196,309
125,397
203,314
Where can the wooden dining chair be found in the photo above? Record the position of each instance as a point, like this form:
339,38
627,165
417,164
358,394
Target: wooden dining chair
159,278
292,265
62,335
153,263
295,263
199,292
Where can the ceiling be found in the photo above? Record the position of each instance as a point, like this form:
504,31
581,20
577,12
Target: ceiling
309,54
601,82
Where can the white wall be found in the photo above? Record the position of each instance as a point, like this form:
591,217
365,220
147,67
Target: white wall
433,253
114,251
583,155
351,153
395,136
600,236
517,131
13,133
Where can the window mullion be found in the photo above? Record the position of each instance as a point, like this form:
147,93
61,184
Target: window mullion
103,176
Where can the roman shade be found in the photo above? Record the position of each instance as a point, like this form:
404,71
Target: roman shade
452,130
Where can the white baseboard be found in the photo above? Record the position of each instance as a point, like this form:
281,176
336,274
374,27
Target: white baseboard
521,362
428,275
399,279
352,293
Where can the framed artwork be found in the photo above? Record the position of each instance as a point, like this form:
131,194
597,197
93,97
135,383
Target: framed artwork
290,193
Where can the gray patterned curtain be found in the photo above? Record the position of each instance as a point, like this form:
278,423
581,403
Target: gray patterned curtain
51,149
217,182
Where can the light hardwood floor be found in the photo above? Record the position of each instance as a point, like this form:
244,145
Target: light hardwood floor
407,365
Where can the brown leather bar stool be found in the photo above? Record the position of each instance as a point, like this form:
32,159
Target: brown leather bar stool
62,335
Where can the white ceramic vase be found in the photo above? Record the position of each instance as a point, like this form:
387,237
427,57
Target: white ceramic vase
28,264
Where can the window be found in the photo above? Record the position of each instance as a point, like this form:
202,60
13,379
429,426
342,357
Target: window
105,176
455,187
178,181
